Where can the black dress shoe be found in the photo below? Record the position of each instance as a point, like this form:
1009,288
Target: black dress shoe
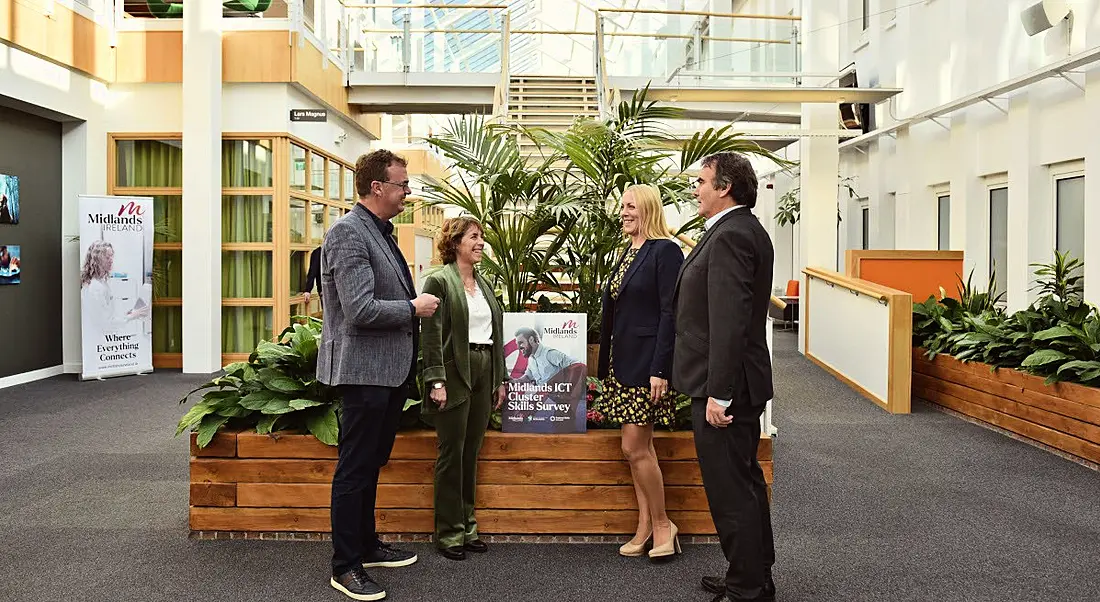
714,585
476,546
388,556
717,585
357,585
453,553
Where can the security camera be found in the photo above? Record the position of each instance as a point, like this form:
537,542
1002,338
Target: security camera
341,136
1044,15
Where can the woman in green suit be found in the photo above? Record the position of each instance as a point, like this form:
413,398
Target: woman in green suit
463,348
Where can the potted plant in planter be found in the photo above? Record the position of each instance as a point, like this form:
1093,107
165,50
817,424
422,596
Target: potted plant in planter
275,390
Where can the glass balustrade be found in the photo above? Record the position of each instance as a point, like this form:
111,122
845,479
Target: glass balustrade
708,50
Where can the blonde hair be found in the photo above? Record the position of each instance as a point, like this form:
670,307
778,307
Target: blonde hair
652,212
451,233
97,262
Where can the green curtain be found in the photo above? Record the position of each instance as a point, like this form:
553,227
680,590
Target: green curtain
167,329
168,218
246,218
149,163
334,181
317,174
246,164
168,274
244,327
297,168
316,223
297,221
246,274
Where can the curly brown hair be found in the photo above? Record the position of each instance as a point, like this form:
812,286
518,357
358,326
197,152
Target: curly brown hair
372,168
451,233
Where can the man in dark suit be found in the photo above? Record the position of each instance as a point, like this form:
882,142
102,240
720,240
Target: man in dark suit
721,360
313,276
368,350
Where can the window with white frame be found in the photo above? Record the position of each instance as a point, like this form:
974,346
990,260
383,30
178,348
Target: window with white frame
998,235
943,221
1069,215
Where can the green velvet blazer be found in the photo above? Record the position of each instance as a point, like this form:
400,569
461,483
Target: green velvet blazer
445,338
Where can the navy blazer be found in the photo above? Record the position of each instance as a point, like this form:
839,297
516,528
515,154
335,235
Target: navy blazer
640,323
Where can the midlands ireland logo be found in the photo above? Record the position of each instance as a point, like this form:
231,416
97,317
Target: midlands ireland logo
568,330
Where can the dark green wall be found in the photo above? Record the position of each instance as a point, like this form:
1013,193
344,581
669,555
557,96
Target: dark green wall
30,312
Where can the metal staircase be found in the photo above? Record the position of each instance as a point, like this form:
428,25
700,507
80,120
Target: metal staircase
549,102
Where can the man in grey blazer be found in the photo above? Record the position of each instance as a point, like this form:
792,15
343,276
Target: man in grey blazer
368,350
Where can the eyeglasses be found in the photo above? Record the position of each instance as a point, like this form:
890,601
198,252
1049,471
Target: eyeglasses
404,185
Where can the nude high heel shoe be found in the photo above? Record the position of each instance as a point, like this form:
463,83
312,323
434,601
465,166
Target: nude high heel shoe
634,550
668,549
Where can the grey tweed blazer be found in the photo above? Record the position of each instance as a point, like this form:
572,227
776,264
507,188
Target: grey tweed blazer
367,337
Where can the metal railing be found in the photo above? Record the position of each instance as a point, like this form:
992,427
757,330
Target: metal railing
683,48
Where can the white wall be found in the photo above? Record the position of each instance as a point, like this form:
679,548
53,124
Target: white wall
78,102
938,51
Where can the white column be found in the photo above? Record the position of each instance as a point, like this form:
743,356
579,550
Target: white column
202,191
882,199
1030,214
969,210
820,157
1092,190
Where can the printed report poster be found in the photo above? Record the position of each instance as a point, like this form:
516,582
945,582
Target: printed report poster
116,285
544,355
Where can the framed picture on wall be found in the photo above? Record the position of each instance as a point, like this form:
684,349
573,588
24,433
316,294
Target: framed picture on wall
10,267
9,199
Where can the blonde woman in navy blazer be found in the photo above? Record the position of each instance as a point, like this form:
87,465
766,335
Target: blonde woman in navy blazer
636,342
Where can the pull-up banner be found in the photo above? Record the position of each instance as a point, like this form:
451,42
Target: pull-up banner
116,285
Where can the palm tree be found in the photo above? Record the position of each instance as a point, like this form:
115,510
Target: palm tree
558,213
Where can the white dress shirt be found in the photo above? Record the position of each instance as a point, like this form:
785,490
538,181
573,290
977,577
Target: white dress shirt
481,318
725,403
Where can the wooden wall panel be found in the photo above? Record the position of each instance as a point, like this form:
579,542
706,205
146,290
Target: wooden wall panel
256,56
149,57
65,38
310,72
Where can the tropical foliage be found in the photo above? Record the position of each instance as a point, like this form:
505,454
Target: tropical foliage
275,390
552,219
1057,336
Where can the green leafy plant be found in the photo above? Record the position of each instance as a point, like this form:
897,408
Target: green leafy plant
551,220
1057,336
276,389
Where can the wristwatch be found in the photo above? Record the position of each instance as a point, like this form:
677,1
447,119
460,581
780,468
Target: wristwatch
437,384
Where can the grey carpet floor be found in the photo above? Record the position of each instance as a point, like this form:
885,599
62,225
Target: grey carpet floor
868,506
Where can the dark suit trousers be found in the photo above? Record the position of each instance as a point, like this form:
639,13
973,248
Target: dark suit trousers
737,495
368,428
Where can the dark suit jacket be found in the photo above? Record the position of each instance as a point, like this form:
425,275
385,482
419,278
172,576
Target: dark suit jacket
640,322
722,298
445,337
313,276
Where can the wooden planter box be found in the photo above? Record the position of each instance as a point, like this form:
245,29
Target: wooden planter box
1065,416
527,484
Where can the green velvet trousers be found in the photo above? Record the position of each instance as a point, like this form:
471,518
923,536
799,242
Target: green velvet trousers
460,431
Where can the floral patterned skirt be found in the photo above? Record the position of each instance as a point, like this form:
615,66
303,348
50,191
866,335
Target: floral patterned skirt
631,405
